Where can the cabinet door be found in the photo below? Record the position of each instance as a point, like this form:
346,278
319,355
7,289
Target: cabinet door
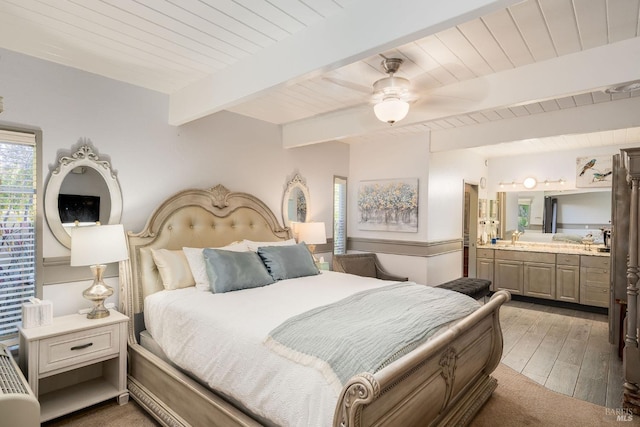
508,275
568,283
484,270
540,280
594,286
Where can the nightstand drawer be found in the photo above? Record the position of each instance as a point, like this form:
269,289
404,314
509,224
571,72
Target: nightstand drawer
79,347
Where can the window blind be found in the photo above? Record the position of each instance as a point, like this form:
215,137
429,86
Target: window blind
17,227
339,216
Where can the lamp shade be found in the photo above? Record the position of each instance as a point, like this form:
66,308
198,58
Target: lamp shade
391,110
98,244
312,233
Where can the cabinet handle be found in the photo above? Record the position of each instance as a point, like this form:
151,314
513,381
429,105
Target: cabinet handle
83,346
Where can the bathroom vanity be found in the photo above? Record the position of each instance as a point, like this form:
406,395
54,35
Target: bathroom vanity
563,272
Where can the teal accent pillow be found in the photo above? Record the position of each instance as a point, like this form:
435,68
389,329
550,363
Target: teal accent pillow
288,262
233,271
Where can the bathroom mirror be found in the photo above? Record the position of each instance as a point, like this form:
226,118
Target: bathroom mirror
82,189
295,201
578,212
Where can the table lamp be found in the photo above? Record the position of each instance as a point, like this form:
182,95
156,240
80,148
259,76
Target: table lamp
96,246
312,233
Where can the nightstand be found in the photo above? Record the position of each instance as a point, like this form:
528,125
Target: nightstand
76,362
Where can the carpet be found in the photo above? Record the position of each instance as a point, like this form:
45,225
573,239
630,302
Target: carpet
518,401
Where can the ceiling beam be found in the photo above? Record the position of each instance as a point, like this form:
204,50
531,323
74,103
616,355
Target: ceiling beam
567,75
361,29
612,115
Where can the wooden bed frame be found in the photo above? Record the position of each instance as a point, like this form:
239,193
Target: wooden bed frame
443,382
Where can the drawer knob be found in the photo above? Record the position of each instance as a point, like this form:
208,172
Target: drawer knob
81,347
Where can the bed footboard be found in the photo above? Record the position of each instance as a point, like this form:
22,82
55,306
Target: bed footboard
443,382
175,399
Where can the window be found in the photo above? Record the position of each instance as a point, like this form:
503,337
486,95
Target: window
339,215
18,243
524,214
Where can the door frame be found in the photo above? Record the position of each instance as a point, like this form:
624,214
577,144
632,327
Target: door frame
470,218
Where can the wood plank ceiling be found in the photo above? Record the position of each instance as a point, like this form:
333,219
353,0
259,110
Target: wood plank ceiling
167,45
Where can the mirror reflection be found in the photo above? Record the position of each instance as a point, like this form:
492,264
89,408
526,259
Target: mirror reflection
295,201
297,206
84,197
541,215
81,190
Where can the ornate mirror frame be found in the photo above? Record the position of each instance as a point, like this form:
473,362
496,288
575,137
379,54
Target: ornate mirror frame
83,157
296,183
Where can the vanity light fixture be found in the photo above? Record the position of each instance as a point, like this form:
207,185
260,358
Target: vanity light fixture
529,183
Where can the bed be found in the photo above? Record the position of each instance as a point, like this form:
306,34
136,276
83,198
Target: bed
443,381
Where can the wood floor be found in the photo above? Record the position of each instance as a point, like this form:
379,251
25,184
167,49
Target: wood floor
563,349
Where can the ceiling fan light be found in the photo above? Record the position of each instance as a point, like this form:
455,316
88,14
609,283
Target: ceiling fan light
391,110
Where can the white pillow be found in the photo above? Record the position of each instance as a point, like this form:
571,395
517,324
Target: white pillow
173,267
196,262
253,246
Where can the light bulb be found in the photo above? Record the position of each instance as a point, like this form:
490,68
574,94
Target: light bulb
391,110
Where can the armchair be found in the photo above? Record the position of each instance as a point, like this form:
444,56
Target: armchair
366,264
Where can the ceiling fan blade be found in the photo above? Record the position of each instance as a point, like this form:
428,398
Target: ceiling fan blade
349,85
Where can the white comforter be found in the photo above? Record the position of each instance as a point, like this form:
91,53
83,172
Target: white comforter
219,339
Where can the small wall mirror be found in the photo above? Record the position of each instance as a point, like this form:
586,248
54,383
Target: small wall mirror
81,190
295,201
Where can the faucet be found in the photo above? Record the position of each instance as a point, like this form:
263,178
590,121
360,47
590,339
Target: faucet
515,236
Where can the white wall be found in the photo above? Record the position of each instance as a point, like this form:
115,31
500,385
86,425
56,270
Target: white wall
389,158
448,171
128,126
441,198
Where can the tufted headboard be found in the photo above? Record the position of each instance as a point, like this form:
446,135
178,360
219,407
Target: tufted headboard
193,218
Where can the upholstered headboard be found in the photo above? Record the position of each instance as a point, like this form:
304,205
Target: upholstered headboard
192,218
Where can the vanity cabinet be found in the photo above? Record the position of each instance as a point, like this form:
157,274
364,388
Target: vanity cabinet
508,272
568,278
484,265
539,272
582,279
594,280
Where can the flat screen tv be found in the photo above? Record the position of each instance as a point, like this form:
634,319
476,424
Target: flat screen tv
73,207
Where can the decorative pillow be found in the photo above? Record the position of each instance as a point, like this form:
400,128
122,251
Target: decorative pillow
233,271
198,266
173,267
287,262
253,246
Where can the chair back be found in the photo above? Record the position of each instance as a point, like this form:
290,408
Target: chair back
358,264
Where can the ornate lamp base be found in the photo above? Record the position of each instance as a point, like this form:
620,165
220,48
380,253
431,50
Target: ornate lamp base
97,293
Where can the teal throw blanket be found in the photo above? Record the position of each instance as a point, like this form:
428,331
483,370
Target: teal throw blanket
366,331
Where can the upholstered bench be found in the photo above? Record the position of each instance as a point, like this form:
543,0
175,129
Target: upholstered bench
475,288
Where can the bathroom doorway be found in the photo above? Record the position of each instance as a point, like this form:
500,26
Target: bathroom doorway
470,229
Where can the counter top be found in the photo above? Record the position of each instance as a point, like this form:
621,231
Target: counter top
557,248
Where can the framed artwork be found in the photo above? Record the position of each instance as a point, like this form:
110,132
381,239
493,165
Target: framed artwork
594,171
388,205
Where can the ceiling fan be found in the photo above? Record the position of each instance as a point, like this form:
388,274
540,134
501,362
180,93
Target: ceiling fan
392,96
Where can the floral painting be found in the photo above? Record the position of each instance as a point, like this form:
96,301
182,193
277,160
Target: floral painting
594,171
388,205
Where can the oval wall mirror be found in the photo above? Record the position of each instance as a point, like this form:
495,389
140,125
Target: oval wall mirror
82,189
295,201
